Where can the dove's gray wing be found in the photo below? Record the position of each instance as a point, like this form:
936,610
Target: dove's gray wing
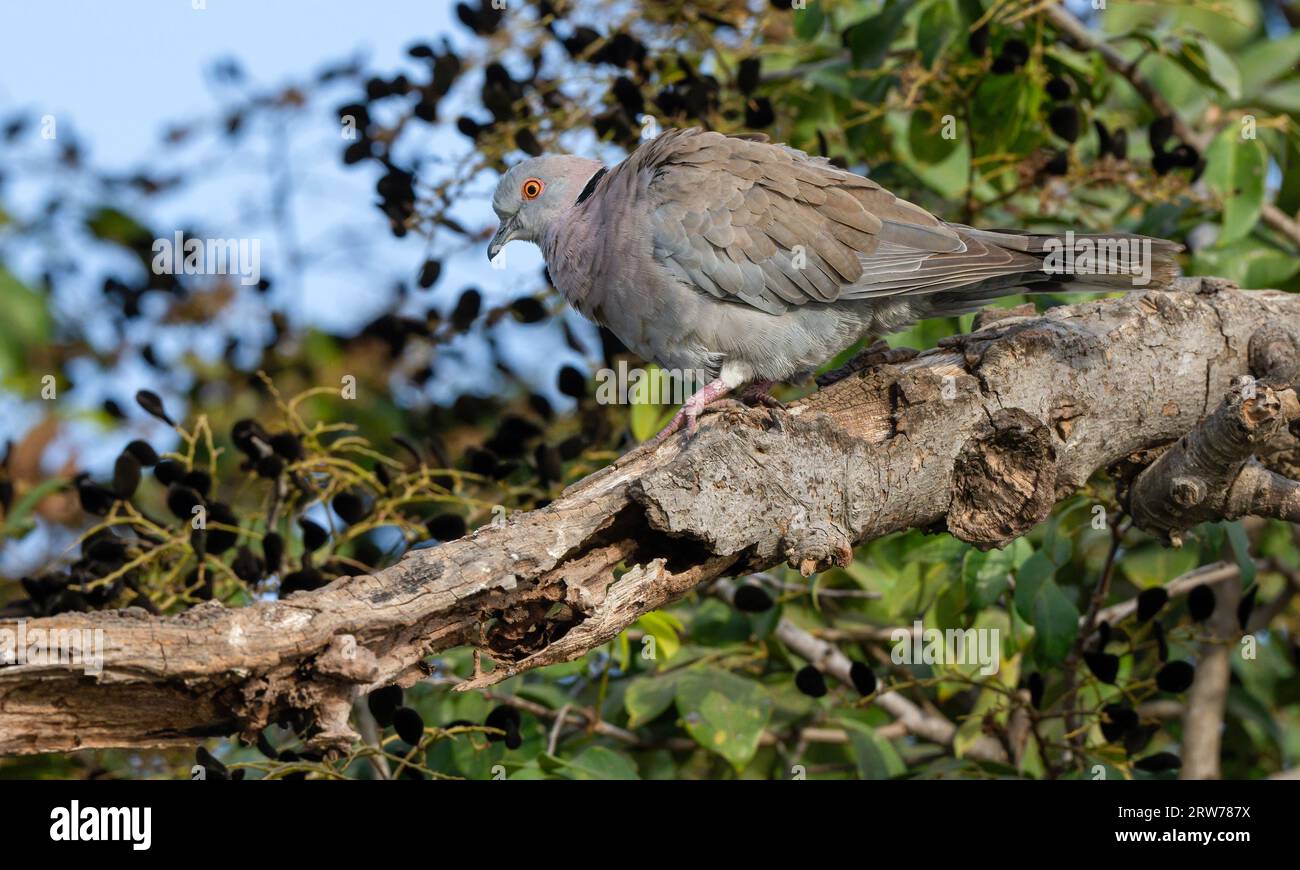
749,221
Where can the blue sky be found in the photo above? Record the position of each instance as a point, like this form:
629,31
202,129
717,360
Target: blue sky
116,75
119,74
123,70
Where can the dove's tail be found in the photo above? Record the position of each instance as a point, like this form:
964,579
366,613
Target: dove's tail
1102,261
1064,263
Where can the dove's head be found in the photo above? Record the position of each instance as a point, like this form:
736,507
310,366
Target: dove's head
536,193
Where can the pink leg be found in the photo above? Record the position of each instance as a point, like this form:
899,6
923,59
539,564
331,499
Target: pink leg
707,395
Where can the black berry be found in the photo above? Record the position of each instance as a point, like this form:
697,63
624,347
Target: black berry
1104,666
810,681
1175,677
383,703
1117,720
1150,601
864,679
1200,603
408,725
751,598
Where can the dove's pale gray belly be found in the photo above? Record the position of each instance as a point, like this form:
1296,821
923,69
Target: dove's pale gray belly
682,328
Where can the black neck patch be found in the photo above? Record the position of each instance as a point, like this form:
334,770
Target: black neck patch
591,185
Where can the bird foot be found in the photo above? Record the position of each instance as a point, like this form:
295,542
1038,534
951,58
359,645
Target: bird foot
718,406
712,397
879,353
759,393
712,393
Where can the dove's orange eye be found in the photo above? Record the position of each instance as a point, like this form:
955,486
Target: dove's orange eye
532,188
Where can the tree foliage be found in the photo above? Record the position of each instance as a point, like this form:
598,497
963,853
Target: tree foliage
306,454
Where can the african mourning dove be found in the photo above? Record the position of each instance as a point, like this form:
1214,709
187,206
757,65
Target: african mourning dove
756,263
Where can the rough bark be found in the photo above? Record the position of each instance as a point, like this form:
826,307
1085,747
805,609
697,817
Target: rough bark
1212,472
980,436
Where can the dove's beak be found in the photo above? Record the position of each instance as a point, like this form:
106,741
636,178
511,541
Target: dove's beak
505,233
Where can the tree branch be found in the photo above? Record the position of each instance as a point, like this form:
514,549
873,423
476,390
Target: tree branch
1208,697
1211,473
830,659
980,436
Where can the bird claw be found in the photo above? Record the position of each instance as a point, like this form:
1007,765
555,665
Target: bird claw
694,414
710,399
679,419
757,394
692,424
878,353
719,405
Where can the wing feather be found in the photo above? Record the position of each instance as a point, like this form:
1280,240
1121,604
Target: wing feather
768,226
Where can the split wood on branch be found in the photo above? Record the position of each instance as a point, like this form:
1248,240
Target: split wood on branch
980,437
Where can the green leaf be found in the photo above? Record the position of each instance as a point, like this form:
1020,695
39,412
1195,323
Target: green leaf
987,575
18,521
648,416
112,225
950,608
988,703
1033,571
648,697
545,693
724,713
664,628
808,21
876,757
1222,69
25,323
938,550
1057,546
834,79
869,40
528,772
1056,621
1288,192
948,177
1268,60
1153,565
1250,262
1000,108
935,30
1241,552
1235,170
926,140
1044,606
598,762
473,760
1282,96
622,651
1209,65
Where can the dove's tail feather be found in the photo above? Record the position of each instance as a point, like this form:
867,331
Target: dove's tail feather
1105,260
1068,262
